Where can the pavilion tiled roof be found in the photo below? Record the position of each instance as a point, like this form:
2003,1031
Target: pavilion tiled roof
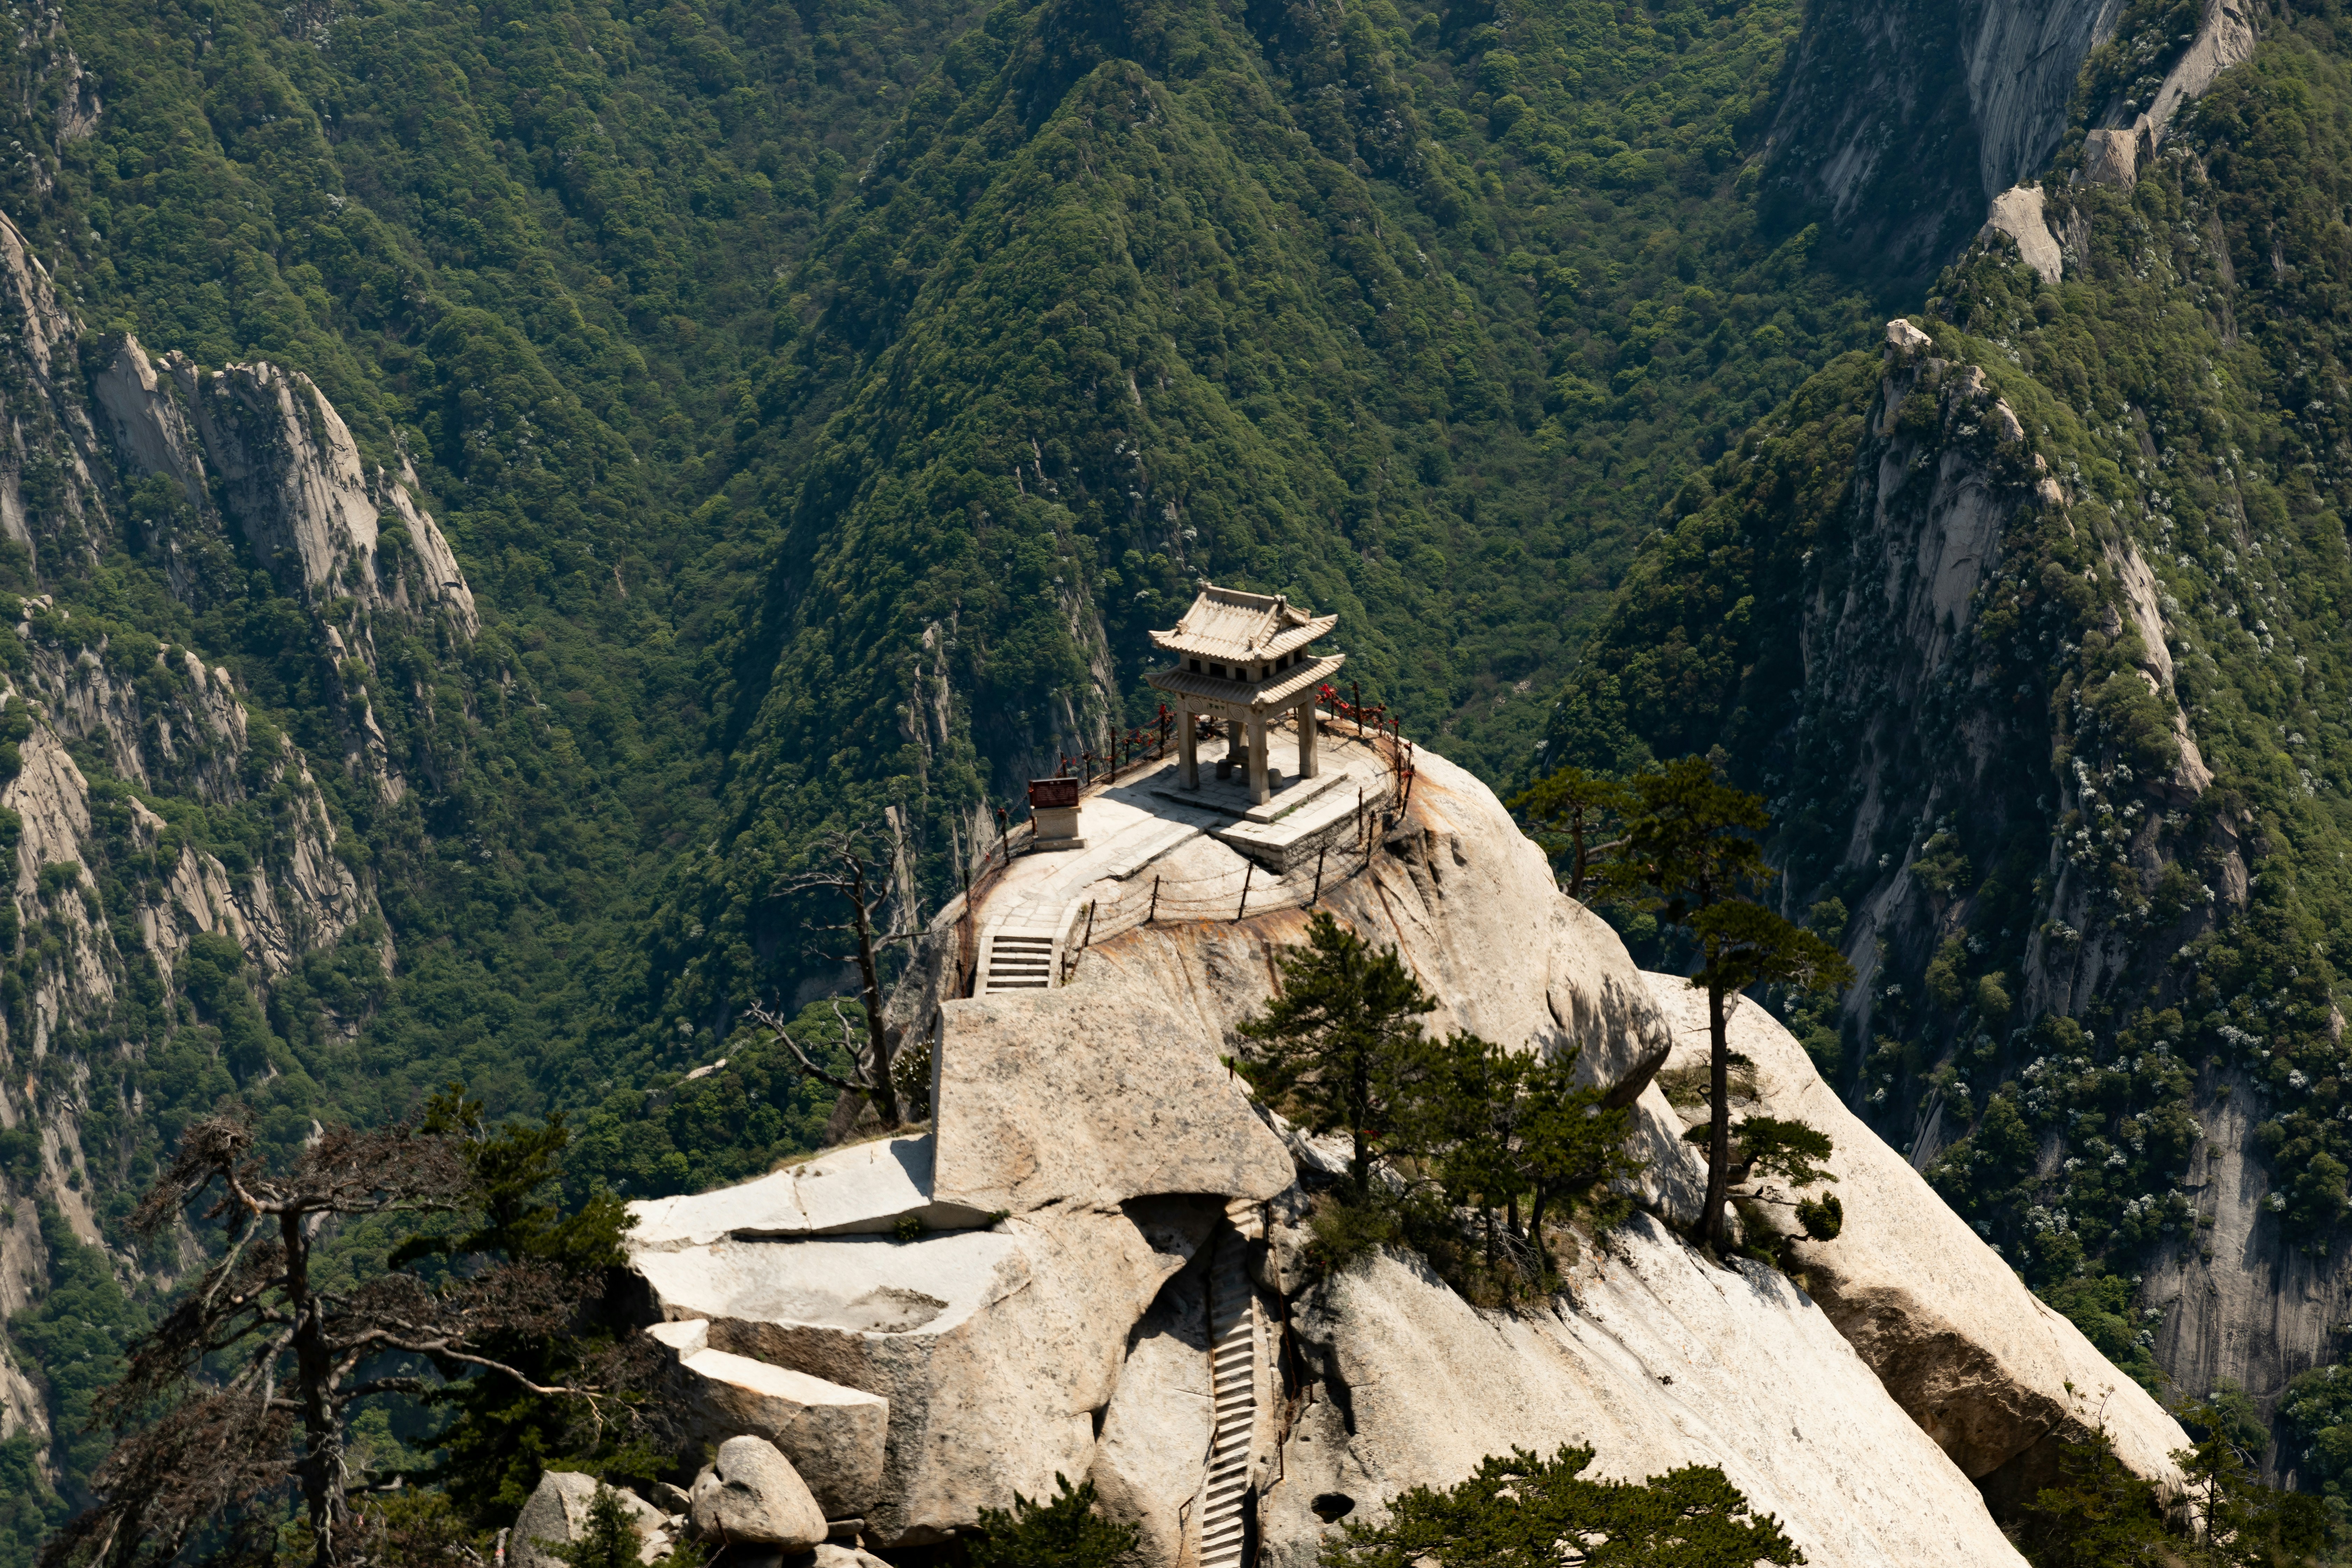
1235,625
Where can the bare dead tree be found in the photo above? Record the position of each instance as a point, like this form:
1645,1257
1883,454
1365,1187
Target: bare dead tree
864,1078
841,870
247,1387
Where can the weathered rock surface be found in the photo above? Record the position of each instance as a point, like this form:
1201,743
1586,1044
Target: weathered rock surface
752,1493
837,1556
1657,1360
2246,1304
992,1348
1025,1120
2018,212
834,1436
2111,158
865,1189
2225,37
1958,1341
1147,1464
556,1514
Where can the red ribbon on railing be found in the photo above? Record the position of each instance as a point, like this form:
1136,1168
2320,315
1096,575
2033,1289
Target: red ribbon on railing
1359,713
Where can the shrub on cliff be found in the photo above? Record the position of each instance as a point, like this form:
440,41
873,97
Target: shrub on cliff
1064,1532
1530,1513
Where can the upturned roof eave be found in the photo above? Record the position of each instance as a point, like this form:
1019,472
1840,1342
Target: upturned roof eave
1283,691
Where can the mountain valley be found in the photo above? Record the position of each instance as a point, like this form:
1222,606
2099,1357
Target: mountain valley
489,490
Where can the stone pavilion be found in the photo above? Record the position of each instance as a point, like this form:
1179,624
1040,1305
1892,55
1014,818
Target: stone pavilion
1244,657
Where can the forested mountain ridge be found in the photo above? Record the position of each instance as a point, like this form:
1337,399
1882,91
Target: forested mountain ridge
2034,633
819,404
686,326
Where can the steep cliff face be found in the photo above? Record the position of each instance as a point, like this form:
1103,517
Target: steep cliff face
289,482
1899,124
257,459
1969,719
175,872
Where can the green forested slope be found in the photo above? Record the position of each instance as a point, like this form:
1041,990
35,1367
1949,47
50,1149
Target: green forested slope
2074,949
822,401
721,339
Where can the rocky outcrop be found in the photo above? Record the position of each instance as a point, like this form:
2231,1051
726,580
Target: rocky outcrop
1993,1375
258,450
990,1347
1148,1462
557,1515
47,435
752,1493
867,1189
1899,123
144,816
2128,134
290,478
2245,1305
2018,212
1101,1325
832,1436
2110,158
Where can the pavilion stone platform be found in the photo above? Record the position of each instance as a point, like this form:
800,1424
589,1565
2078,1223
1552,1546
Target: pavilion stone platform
1153,850
1168,839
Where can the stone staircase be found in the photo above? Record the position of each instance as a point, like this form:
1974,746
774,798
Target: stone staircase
1017,961
1232,1356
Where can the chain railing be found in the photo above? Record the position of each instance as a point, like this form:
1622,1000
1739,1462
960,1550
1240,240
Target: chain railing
1149,900
1140,903
1387,734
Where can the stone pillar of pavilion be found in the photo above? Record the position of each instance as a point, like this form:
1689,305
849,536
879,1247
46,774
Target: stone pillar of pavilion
1245,658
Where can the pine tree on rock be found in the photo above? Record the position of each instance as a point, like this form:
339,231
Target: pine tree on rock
611,1540
1570,811
1065,1531
1518,1123
1691,851
1523,1512
1342,1046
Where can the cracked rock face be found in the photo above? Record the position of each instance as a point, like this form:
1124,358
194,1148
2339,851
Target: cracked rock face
992,1348
832,1436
